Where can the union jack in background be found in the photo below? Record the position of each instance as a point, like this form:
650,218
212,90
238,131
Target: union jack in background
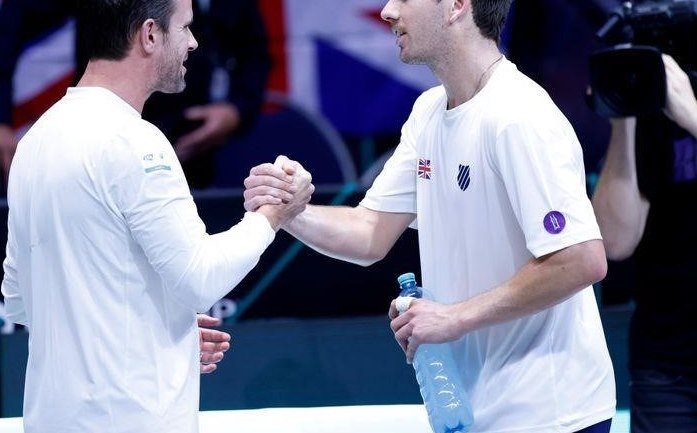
424,169
335,58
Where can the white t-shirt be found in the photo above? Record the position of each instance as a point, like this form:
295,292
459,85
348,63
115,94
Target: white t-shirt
107,264
494,183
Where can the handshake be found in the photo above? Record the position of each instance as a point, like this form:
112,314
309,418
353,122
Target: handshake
279,191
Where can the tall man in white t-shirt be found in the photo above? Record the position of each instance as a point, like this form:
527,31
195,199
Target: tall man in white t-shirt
107,259
491,174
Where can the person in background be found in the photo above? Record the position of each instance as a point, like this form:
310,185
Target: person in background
107,261
227,77
646,202
491,173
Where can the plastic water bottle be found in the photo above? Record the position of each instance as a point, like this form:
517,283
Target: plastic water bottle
446,401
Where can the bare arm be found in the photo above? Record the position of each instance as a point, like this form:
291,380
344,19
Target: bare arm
619,206
358,235
541,284
681,105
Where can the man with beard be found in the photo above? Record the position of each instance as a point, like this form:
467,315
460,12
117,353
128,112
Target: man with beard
107,260
234,56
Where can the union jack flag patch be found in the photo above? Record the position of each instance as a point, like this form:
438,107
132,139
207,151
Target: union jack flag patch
424,169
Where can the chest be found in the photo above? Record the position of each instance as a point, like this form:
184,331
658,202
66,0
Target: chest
453,161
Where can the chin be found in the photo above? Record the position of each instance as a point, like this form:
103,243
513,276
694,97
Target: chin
412,60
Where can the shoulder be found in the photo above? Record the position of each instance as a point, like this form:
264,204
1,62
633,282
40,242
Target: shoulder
141,144
140,134
430,100
517,101
429,103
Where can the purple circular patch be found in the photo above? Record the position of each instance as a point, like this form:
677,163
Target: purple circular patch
554,222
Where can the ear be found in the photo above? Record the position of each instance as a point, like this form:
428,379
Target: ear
149,36
458,10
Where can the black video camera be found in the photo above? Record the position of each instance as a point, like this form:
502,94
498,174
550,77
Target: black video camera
628,79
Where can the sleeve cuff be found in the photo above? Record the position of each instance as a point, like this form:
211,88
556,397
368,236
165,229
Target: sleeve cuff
258,223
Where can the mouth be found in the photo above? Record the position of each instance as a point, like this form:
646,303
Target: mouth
399,33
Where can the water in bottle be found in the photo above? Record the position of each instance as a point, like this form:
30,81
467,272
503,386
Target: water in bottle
445,399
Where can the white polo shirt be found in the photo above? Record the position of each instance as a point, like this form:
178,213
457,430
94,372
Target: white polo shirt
107,264
496,182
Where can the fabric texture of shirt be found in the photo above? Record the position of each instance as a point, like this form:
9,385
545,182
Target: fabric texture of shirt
107,264
494,183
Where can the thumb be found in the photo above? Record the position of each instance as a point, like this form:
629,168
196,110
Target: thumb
206,320
284,163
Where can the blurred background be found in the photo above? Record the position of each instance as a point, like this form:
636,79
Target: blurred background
308,330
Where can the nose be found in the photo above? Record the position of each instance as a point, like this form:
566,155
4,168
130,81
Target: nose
193,43
389,12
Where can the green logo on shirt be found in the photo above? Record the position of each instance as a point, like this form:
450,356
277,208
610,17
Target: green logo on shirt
158,168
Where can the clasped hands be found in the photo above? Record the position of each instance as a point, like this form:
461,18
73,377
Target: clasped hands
280,190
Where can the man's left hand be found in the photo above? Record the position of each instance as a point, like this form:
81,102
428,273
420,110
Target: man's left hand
213,343
220,120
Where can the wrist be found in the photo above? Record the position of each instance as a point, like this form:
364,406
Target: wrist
462,317
271,216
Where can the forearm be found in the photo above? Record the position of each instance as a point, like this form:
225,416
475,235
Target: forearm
357,235
219,262
619,206
539,285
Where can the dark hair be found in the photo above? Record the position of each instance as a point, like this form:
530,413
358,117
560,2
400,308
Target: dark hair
107,27
490,16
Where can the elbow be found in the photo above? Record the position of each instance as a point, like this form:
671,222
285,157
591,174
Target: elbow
200,288
191,296
598,270
367,260
618,250
372,256
595,263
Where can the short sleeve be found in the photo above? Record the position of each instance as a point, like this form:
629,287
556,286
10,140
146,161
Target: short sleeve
394,189
541,166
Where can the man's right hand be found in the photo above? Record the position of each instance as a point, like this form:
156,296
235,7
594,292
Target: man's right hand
8,145
279,191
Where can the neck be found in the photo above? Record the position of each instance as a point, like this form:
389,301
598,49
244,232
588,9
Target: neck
467,69
123,78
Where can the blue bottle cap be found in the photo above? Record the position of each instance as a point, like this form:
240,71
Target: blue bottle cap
406,278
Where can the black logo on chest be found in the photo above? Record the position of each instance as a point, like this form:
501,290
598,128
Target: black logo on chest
463,177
